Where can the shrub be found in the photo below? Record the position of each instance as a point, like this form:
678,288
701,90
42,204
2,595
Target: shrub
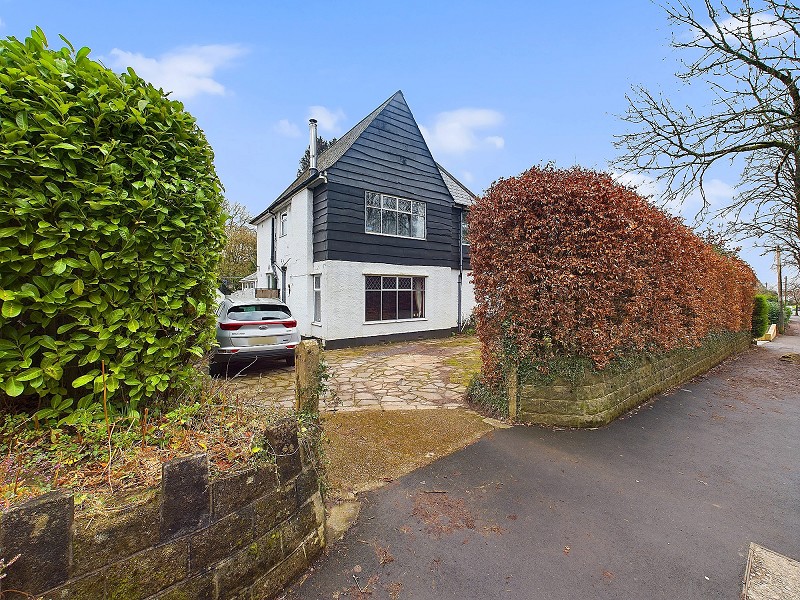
570,263
110,233
487,398
760,321
775,311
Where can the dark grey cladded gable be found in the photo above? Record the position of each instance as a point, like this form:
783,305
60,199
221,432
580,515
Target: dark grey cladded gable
385,152
389,156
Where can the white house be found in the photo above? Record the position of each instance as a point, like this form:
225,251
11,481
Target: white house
369,244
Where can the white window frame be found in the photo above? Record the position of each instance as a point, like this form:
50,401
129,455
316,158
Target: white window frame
464,229
283,220
316,285
382,200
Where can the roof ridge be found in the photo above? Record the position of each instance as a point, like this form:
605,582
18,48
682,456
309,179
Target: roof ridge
349,138
333,153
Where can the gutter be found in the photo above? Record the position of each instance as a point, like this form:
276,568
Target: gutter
314,173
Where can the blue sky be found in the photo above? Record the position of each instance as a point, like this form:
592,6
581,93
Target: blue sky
496,87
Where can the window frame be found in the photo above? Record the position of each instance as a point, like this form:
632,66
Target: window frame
464,233
316,286
416,287
382,209
283,223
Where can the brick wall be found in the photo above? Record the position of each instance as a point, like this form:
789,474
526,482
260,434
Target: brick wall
241,536
598,398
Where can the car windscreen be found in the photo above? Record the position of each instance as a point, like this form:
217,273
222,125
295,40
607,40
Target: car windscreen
258,312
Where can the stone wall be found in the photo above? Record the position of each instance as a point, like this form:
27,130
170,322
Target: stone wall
596,399
244,535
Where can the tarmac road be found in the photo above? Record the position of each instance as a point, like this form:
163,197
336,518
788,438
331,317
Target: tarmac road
660,504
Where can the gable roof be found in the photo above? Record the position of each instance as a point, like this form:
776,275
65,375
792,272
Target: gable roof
327,159
333,153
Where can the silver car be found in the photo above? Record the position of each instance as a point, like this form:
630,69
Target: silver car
251,329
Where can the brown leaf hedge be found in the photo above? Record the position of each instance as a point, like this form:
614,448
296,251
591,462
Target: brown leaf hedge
571,263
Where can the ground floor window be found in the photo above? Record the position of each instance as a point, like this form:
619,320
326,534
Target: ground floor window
393,298
270,282
317,299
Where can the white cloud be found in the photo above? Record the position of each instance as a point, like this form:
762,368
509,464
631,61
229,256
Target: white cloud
328,120
496,141
763,27
186,72
718,194
287,129
2,23
644,185
467,177
455,131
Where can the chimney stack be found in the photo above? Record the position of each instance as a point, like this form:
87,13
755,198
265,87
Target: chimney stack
312,148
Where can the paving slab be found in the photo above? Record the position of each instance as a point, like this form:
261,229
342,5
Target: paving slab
770,576
395,376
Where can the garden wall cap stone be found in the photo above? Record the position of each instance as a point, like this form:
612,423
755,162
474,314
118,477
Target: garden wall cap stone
186,495
40,531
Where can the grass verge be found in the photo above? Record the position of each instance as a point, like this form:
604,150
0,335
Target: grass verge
367,449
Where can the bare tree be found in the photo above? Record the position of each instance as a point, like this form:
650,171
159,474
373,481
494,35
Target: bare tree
747,56
793,293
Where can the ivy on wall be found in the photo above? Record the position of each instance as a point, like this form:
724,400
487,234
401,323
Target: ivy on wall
111,230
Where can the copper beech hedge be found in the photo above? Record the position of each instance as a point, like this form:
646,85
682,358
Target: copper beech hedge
571,263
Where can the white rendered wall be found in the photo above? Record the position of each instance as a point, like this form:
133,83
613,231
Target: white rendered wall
343,300
467,294
263,251
294,251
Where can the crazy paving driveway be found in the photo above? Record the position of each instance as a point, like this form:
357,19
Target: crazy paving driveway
662,504
397,376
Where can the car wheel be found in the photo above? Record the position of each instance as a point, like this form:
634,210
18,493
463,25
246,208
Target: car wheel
216,369
290,361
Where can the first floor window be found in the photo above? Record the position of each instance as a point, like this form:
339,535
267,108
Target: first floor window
393,298
284,219
317,299
389,215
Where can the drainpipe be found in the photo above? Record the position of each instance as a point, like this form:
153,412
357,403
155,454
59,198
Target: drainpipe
460,265
312,146
273,252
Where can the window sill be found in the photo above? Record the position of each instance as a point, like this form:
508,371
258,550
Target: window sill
394,235
396,321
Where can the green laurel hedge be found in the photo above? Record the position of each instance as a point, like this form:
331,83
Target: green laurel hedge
760,318
111,230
